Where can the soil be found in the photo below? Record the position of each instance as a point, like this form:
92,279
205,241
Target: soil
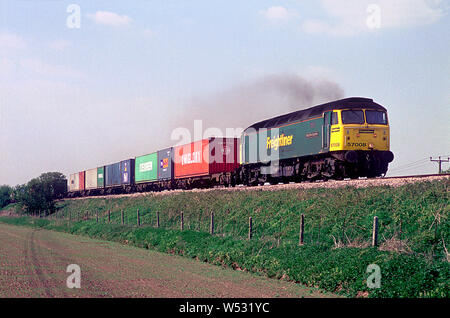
33,263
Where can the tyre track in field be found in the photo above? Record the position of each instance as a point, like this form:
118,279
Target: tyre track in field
33,264
37,248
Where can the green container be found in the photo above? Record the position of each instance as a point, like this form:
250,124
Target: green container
146,168
101,177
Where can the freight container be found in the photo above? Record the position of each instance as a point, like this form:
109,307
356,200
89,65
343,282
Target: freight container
165,164
74,182
112,175
146,168
82,181
206,157
127,171
101,177
91,179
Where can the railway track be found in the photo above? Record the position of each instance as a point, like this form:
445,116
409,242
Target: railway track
418,176
394,181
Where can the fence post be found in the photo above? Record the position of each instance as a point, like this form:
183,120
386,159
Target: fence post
182,221
97,216
122,217
375,231
302,229
250,228
157,219
212,223
109,216
138,219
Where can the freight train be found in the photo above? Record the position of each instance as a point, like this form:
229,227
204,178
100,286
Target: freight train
347,138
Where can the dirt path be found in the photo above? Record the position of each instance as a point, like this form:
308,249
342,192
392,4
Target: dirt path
33,263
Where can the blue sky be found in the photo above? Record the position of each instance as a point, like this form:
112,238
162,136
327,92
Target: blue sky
114,88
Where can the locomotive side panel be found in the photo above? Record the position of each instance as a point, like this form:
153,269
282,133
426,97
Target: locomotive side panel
287,141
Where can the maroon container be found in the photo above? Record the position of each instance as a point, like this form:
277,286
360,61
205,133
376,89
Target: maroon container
82,181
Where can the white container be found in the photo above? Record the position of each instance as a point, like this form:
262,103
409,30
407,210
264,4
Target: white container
91,179
73,182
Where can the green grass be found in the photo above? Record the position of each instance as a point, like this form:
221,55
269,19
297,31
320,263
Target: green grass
416,215
414,227
341,270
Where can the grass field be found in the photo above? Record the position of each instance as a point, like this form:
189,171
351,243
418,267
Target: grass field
413,231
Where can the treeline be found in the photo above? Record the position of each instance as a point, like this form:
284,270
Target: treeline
39,194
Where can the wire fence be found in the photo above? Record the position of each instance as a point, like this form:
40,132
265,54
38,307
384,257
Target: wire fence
301,231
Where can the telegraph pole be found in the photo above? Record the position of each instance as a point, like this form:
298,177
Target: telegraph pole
440,161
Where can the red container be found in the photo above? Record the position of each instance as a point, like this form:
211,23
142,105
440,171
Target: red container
82,181
206,157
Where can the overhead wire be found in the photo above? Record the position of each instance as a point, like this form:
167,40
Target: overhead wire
411,164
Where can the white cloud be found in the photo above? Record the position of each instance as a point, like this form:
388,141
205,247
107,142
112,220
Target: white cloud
350,17
60,45
11,41
110,18
278,13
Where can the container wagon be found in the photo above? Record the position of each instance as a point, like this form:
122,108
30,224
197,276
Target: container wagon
146,175
119,177
73,184
206,163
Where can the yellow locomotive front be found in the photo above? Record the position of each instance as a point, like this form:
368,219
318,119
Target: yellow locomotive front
360,138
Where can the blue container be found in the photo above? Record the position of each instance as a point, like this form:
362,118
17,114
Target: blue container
165,164
112,175
127,172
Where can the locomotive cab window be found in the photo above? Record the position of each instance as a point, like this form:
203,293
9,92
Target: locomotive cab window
376,117
334,118
353,117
